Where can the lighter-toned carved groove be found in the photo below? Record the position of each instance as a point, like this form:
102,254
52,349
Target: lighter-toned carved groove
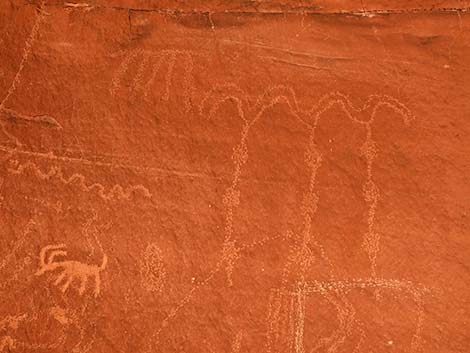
152,269
26,53
70,269
250,114
117,191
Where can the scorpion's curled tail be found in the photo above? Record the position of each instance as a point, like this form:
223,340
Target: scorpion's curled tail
104,262
50,249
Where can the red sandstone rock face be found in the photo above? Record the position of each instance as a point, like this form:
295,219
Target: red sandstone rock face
231,176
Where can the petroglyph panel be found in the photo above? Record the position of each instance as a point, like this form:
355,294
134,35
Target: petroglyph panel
209,176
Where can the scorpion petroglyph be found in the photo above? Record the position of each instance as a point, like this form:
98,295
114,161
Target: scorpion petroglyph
70,269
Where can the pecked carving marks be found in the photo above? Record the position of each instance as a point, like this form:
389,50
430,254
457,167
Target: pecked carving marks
148,65
237,342
152,269
286,313
250,113
10,322
70,269
16,80
117,191
30,226
6,344
370,152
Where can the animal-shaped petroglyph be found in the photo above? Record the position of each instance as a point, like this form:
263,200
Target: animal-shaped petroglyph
149,64
116,192
70,269
152,269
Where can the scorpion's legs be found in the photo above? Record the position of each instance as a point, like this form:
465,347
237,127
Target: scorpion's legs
67,284
97,284
60,278
83,280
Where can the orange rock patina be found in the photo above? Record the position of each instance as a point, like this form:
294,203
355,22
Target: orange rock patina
234,176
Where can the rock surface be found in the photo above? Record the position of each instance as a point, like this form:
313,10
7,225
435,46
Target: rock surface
234,176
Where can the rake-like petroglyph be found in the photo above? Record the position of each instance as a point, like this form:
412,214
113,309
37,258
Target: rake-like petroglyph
70,269
148,65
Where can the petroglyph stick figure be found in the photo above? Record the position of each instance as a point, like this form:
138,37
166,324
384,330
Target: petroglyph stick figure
70,269
302,258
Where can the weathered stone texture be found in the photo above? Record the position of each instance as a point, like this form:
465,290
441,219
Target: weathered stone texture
234,176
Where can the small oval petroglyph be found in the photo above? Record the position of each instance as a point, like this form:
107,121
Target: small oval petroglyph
152,269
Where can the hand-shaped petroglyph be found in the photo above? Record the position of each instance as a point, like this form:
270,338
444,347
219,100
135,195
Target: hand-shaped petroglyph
70,269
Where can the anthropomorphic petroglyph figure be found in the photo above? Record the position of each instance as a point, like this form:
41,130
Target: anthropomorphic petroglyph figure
287,315
70,269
